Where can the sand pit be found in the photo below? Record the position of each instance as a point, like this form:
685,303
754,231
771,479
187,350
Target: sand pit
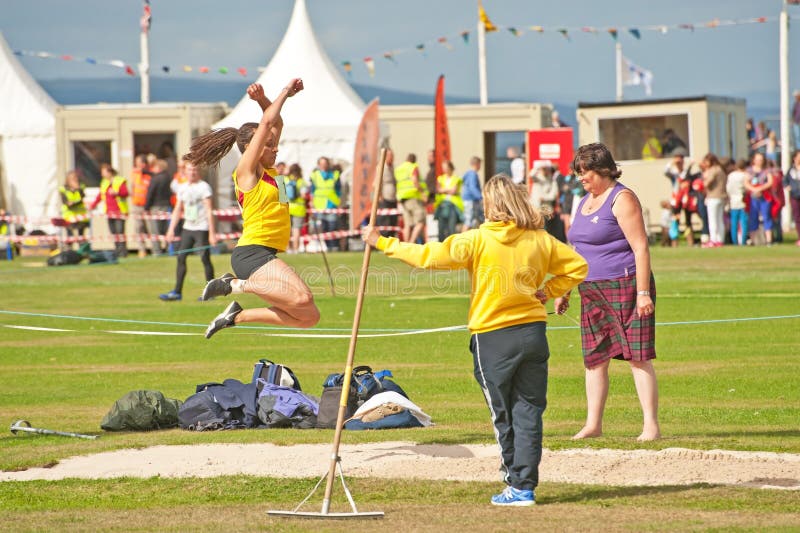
407,460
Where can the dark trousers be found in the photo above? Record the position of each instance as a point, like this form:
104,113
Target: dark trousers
795,203
193,239
117,228
511,368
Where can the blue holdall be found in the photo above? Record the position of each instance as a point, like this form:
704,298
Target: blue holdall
366,383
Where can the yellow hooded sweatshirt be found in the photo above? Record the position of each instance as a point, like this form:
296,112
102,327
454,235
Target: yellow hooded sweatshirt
507,265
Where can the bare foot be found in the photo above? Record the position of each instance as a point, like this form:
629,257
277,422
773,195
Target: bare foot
649,434
587,433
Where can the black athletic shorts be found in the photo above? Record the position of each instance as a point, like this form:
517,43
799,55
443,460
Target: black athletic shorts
247,259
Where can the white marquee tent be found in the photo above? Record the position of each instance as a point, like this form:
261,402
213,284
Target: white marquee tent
320,121
27,142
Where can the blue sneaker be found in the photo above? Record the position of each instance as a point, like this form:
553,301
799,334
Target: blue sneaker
514,497
171,296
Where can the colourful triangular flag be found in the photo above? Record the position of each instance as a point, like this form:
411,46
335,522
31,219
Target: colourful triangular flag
465,36
613,33
487,24
368,61
565,33
223,70
635,33
444,42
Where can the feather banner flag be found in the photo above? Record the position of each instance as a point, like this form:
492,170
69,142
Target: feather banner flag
370,64
488,25
633,74
441,133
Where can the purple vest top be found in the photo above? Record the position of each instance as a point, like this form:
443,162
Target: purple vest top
599,239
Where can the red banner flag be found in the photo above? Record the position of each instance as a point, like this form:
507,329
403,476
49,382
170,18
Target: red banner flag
441,134
365,158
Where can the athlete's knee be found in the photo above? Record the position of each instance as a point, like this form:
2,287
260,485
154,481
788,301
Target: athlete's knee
310,316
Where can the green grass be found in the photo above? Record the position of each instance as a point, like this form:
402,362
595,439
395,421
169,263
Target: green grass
730,385
241,503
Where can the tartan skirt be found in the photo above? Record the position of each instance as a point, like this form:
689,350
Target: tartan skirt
610,325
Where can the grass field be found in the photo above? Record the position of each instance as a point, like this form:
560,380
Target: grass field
724,385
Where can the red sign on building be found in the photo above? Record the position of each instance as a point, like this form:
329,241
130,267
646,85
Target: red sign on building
552,144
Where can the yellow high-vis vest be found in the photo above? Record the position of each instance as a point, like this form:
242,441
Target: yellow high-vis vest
70,212
405,184
325,190
448,182
115,183
297,205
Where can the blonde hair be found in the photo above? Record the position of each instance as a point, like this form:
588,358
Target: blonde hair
507,202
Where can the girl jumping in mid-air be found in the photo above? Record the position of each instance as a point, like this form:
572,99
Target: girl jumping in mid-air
261,194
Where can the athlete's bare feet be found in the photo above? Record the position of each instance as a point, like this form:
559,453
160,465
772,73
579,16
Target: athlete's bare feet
649,434
587,433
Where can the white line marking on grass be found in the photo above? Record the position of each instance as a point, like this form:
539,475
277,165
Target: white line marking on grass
34,328
163,333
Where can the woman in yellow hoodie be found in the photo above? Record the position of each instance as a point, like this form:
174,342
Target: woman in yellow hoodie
508,258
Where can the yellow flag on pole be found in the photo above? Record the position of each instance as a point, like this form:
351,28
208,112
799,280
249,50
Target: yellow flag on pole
484,18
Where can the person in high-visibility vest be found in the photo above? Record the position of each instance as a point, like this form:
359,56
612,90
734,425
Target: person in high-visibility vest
297,192
73,209
448,206
411,194
113,197
652,146
326,190
140,183
261,194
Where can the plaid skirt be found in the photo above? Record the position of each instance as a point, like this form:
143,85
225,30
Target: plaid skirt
610,325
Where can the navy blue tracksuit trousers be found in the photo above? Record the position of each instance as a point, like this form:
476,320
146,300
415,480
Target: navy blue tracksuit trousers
511,368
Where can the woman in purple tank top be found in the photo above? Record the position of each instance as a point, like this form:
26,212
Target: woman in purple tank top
618,295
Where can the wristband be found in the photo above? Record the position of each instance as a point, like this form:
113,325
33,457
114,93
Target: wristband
643,293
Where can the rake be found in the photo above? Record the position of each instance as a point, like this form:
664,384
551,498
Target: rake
336,461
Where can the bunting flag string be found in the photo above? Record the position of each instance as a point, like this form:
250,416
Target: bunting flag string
444,41
567,32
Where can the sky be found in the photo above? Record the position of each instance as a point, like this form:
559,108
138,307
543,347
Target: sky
737,60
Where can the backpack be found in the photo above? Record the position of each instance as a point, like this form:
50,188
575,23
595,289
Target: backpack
67,257
291,189
227,405
142,410
367,384
270,372
286,407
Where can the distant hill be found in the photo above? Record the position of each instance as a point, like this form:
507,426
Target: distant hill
126,90
761,106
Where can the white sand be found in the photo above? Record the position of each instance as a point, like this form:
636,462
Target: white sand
407,460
